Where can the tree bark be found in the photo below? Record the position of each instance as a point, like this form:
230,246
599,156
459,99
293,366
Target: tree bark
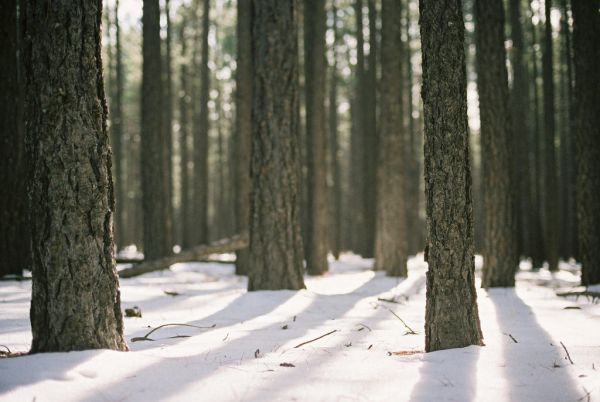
14,217
390,237
586,46
276,253
167,123
500,257
243,124
75,291
317,233
550,196
451,317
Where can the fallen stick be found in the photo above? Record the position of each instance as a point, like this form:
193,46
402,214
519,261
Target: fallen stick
316,339
145,337
409,331
568,355
587,294
197,253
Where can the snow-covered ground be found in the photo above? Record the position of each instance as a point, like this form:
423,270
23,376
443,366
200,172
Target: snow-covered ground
251,353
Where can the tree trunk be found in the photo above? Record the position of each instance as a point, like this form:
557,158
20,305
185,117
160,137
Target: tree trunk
200,205
390,237
336,193
154,186
586,46
168,121
317,236
14,218
185,207
451,317
550,196
243,124
499,253
75,291
276,254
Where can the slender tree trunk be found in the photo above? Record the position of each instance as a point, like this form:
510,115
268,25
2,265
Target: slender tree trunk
154,186
586,46
243,132
390,237
75,291
14,217
451,316
550,197
185,208
317,237
537,248
276,254
201,138
336,193
499,254
168,121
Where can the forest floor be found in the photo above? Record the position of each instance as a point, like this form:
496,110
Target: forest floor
254,351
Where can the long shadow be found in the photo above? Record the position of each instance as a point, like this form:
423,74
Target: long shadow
263,339
448,375
535,367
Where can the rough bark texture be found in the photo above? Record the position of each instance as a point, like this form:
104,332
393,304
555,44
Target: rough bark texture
390,236
154,186
499,254
201,138
276,254
75,291
317,232
14,220
586,46
451,317
336,190
243,124
550,195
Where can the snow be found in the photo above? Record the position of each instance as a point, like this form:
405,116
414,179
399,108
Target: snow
240,358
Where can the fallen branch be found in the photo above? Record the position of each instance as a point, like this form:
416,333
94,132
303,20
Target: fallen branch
145,337
568,355
197,253
316,339
409,330
577,295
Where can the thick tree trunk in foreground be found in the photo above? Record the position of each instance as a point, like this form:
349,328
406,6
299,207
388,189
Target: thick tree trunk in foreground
317,231
75,291
499,253
586,44
390,236
243,124
550,196
276,254
451,317
14,219
154,186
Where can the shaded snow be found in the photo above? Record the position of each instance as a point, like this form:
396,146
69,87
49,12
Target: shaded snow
240,358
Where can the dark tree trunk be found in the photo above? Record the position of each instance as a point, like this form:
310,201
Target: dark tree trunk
317,233
499,254
336,193
357,146
586,46
14,226
117,136
370,134
451,317
154,186
168,121
537,248
390,237
550,195
276,254
200,205
243,132
185,208
75,291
